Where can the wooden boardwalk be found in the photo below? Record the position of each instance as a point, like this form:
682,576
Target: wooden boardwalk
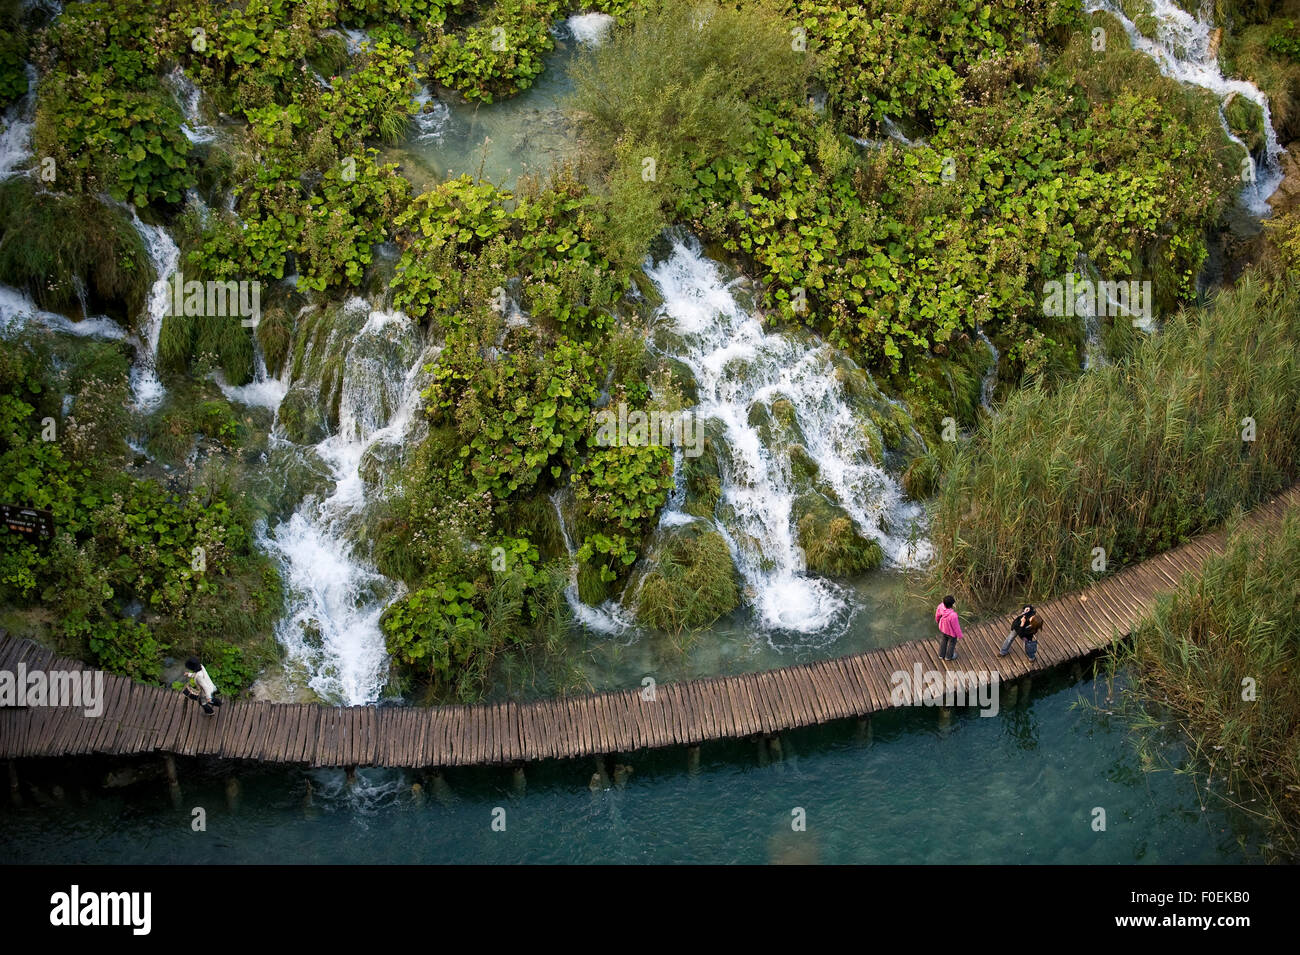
140,719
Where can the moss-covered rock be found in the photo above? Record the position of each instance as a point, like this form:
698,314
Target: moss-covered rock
803,468
702,475
1246,120
682,380
275,336
889,425
72,251
534,517
302,418
13,57
289,475
692,581
831,544
592,587
321,341
947,384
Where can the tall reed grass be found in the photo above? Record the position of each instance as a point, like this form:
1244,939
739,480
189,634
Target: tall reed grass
1220,655
1131,458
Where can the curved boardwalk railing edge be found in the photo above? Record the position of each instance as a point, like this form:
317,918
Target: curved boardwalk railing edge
141,719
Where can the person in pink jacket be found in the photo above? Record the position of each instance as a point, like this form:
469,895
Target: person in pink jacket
949,628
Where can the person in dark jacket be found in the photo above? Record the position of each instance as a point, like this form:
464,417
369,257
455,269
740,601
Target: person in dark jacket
1026,627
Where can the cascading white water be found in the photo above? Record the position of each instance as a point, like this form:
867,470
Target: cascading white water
431,120
146,387
1085,307
188,95
335,598
738,366
263,391
17,311
147,390
673,513
590,29
1090,287
16,138
355,40
611,616
1182,49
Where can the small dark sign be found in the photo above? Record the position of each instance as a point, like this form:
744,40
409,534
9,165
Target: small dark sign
30,521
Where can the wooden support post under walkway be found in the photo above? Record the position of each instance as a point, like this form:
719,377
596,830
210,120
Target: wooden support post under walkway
173,781
136,719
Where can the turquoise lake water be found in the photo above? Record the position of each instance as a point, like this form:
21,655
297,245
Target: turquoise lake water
1020,787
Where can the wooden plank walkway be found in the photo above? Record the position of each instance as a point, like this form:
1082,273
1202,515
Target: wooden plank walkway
140,719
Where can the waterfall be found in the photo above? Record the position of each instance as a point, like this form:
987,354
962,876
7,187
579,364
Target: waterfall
1182,50
146,387
1085,306
1090,286
590,29
740,369
355,40
894,132
16,140
263,391
610,616
673,513
335,598
17,311
188,95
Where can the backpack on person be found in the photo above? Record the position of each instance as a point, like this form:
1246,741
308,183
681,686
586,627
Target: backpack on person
1033,624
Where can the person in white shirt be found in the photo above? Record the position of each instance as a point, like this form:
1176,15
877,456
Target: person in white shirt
199,686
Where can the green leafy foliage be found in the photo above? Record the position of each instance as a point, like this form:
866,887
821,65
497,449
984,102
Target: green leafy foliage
250,55
451,629
435,627
126,647
884,59
547,238
619,491
134,568
127,142
894,253
103,115
13,66
624,486
1285,40
346,217
520,415
501,54
411,11
375,100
